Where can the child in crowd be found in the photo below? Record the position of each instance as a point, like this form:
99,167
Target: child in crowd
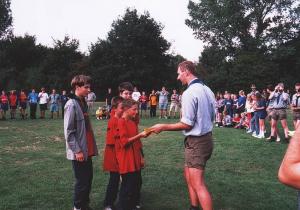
23,104
244,122
236,119
143,100
227,120
129,155
13,102
220,109
261,114
101,113
4,105
110,163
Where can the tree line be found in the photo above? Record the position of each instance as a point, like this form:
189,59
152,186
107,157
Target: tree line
247,41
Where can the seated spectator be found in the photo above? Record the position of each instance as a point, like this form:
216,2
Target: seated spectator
101,113
227,121
236,119
244,122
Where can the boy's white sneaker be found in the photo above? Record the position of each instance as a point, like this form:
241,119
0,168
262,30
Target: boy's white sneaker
249,131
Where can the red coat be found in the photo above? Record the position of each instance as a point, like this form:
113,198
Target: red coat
128,155
110,161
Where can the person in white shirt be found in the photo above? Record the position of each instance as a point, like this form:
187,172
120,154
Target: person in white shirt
43,101
136,94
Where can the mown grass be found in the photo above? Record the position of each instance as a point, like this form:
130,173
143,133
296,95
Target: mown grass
242,173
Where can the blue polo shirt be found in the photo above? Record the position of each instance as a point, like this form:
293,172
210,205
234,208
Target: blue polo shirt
198,109
33,98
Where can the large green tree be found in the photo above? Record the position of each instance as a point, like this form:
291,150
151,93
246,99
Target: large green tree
241,37
5,18
134,50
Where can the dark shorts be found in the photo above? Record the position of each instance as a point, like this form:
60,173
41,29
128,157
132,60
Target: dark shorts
43,107
221,109
13,107
296,116
262,115
4,107
279,114
23,105
198,150
143,106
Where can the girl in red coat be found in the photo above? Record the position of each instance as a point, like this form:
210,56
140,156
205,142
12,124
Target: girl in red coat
129,155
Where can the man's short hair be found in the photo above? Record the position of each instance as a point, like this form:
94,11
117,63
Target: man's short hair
125,86
297,84
188,65
80,80
115,101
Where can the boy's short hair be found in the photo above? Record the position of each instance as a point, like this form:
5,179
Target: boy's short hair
80,80
125,86
127,103
188,65
115,101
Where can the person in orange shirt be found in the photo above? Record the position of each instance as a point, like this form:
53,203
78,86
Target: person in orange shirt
153,103
110,161
23,104
13,101
129,155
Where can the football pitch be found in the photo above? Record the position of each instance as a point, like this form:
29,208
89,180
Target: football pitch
241,174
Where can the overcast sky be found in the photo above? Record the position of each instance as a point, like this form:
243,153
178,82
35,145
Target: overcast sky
88,20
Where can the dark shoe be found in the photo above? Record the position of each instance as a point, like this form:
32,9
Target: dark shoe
271,139
194,208
286,140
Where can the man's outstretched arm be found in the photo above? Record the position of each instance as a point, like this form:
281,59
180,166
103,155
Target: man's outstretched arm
289,171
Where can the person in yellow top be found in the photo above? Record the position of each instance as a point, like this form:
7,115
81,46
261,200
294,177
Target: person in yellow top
101,113
153,103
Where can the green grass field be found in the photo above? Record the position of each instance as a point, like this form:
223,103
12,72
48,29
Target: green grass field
242,173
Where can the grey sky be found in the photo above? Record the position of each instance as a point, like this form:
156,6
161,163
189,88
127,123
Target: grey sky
88,20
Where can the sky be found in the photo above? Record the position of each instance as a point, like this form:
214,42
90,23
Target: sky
88,20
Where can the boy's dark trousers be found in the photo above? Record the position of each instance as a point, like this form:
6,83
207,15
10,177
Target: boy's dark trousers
112,189
33,110
83,172
129,190
153,111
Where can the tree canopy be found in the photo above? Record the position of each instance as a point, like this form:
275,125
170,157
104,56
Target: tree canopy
5,18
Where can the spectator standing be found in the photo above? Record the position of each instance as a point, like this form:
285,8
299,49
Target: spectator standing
281,101
4,105
33,100
54,100
163,102
153,103
108,99
90,99
296,106
143,101
260,114
174,104
63,101
241,102
136,94
13,103
23,104
43,101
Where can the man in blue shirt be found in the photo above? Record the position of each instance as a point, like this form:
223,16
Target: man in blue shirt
33,100
198,108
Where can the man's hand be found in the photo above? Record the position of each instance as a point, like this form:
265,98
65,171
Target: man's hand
157,128
79,157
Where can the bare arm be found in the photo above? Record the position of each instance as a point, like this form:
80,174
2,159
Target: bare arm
170,127
289,171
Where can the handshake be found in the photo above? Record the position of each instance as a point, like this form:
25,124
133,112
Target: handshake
154,129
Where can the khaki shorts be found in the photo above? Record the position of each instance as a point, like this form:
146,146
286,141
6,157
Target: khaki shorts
279,114
296,116
269,114
198,150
